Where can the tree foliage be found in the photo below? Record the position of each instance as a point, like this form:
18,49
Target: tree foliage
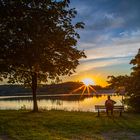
134,91
38,40
118,81
131,84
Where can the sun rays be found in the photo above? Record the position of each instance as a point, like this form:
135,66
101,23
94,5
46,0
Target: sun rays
86,88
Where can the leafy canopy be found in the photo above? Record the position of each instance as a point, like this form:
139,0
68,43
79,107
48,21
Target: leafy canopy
37,36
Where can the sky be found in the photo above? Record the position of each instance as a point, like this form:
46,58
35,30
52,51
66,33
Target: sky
111,38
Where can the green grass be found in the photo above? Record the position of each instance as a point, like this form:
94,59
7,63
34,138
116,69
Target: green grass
62,125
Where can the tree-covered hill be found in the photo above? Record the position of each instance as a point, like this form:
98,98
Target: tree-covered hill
62,88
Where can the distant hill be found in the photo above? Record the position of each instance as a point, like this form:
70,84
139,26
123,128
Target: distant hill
6,90
62,88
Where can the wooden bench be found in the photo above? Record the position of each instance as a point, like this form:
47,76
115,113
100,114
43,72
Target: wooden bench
99,108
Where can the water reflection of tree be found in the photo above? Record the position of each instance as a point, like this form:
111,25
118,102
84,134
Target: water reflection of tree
98,95
58,102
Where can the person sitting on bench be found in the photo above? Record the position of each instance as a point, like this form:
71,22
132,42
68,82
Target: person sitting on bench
109,104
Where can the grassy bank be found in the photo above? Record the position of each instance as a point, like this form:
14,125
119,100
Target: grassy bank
56,125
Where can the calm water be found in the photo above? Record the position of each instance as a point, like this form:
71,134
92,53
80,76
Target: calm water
61,102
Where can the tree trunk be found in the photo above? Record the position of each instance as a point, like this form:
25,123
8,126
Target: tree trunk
34,88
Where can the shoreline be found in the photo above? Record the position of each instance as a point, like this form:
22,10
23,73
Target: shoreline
59,94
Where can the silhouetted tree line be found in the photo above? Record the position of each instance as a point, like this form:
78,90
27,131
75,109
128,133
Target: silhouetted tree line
62,88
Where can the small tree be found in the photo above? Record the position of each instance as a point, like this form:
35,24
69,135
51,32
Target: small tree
37,41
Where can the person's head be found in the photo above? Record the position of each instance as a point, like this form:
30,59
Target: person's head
108,97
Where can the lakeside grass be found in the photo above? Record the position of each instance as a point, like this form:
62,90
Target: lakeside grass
63,125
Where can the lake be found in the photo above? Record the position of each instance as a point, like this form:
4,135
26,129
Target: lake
58,102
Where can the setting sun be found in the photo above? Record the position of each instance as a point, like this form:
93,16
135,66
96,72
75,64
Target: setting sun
88,81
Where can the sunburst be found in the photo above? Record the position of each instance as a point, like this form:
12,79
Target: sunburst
87,86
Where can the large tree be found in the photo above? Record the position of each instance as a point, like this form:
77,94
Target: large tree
37,41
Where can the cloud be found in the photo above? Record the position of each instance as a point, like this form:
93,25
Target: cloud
112,30
91,65
108,21
103,68
109,46
111,37
120,51
102,16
